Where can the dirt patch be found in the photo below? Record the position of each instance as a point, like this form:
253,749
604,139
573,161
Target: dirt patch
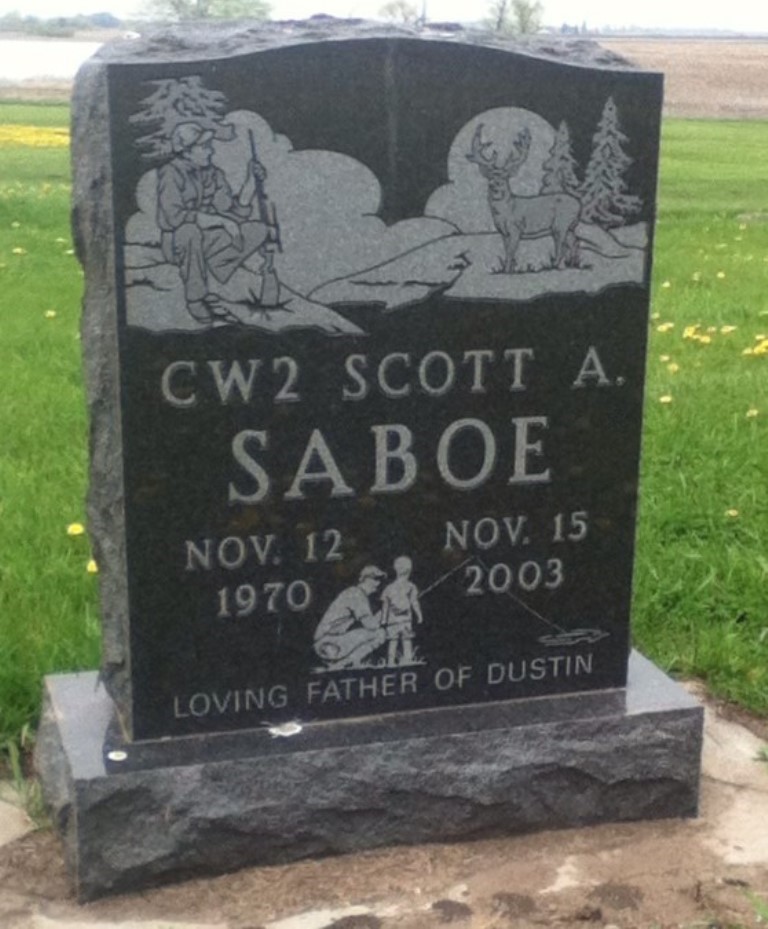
705,78
621,875
731,712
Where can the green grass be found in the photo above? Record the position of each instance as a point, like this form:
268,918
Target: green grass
34,114
701,592
712,167
48,604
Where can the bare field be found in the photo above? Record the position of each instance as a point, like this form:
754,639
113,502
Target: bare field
36,92
705,78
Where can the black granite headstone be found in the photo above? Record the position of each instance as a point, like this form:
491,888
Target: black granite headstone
364,331
382,311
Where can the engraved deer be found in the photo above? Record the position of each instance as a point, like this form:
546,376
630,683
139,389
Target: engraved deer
518,218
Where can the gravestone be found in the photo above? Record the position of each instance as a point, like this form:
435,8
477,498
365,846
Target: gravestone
365,328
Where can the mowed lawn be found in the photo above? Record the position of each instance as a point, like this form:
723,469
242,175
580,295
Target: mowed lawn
701,579
701,592
48,600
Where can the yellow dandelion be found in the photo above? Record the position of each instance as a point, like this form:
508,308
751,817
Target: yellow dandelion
761,349
752,412
673,368
61,241
725,330
761,337
92,567
50,314
666,285
15,224
69,251
696,276
733,513
18,250
711,328
665,327
704,339
667,398
690,332
75,529
664,358
748,351
721,275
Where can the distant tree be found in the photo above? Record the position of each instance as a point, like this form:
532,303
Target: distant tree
515,17
175,101
498,19
207,9
560,168
527,16
104,21
9,20
400,11
604,196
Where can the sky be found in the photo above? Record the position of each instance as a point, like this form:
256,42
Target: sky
737,15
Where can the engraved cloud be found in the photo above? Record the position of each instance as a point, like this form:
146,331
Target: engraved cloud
326,205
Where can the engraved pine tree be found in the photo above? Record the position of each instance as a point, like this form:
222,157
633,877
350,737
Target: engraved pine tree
175,101
604,196
560,168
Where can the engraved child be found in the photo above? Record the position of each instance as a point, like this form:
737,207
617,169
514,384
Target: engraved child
399,604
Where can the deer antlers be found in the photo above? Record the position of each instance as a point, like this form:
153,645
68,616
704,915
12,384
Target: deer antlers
519,152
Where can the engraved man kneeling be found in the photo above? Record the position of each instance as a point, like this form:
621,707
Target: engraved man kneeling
349,631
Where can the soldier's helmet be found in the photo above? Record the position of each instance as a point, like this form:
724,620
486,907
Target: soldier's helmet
186,135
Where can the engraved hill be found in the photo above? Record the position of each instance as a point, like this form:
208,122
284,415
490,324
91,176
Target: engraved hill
469,266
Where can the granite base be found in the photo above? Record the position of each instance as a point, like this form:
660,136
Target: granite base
136,815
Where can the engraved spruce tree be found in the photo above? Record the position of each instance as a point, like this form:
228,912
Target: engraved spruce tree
173,102
604,196
560,168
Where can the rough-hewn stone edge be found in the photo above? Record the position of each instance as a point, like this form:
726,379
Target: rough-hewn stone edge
54,772
193,42
93,230
147,827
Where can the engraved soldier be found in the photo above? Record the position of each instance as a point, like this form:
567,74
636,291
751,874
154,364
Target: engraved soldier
207,230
